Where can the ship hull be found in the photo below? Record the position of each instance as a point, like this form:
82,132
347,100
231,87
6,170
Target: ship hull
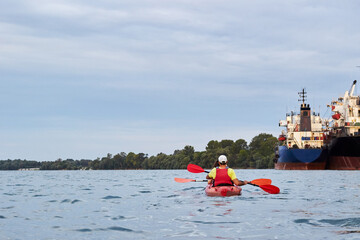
301,159
300,166
344,153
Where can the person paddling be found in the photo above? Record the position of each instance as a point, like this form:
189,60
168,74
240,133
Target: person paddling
223,175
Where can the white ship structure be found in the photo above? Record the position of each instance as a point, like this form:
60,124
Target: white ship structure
343,139
301,143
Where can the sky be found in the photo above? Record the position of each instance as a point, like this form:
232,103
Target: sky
81,78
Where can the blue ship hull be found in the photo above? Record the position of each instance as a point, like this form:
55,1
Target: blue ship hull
301,159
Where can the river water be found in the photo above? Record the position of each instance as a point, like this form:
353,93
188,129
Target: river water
149,204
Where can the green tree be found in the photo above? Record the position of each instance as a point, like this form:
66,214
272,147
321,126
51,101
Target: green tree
119,160
189,151
242,160
263,144
239,145
212,145
262,150
226,143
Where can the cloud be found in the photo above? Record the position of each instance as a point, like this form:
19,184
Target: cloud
173,37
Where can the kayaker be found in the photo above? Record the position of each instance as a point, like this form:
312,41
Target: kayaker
223,175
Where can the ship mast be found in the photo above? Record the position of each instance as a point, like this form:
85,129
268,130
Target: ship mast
302,96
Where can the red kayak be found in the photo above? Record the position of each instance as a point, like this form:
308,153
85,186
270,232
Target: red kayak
222,191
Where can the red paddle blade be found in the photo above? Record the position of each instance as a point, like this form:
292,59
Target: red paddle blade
261,181
195,168
270,189
183,180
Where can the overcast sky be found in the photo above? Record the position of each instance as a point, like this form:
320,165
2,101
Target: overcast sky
83,78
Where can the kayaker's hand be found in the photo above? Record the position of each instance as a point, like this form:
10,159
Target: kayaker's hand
245,182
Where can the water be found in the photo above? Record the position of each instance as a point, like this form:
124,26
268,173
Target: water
151,205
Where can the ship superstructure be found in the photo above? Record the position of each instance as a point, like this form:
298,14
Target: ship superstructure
346,117
343,141
301,143
304,130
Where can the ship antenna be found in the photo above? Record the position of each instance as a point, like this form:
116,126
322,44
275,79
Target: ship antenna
302,96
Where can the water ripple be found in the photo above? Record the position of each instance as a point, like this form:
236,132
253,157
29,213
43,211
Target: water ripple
171,196
39,195
10,194
346,222
113,228
8,207
121,229
306,221
111,197
145,191
118,218
192,188
208,222
83,230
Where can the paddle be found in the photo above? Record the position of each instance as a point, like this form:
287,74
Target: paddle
261,181
197,169
268,188
185,180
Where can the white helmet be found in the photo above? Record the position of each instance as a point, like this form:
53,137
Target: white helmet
222,159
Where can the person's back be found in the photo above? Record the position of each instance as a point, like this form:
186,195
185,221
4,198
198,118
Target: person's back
223,175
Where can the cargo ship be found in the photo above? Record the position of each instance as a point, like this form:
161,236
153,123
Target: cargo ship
301,145
313,143
343,138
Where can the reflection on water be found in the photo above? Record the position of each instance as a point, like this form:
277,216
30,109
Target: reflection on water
150,205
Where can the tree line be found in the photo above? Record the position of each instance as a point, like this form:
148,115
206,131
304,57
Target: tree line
259,154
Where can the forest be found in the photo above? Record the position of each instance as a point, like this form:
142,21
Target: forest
258,154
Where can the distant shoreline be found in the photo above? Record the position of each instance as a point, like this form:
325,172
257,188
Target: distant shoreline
259,154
